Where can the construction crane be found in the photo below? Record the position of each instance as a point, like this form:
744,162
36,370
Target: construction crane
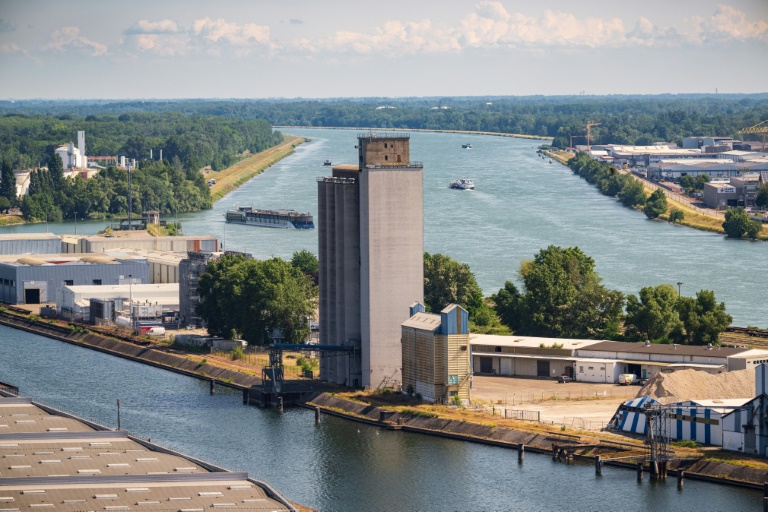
575,137
757,129
589,132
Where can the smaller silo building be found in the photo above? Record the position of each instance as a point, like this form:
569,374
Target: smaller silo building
435,349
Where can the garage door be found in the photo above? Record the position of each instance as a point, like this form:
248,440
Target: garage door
542,368
32,296
486,365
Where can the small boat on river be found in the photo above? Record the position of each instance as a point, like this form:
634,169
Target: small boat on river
463,184
327,162
466,146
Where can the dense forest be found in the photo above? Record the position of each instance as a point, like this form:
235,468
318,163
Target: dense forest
197,140
624,119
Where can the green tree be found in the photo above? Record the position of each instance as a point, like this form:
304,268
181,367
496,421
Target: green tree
306,261
676,215
703,318
737,224
447,281
761,199
563,296
632,194
656,204
4,204
687,183
250,298
56,171
701,180
8,182
653,315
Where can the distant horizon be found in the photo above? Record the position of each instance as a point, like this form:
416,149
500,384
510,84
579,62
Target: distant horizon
197,49
311,98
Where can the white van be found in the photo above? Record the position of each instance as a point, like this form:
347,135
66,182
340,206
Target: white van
626,379
156,331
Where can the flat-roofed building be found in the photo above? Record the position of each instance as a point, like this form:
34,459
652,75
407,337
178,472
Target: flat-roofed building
30,243
530,356
137,240
39,278
74,302
721,195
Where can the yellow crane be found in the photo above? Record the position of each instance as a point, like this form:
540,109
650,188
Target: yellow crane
589,132
759,128
575,137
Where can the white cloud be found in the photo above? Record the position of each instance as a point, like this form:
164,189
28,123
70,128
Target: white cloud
728,23
216,35
9,48
69,37
165,26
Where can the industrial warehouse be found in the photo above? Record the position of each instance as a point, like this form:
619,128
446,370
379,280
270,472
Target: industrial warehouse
600,361
57,461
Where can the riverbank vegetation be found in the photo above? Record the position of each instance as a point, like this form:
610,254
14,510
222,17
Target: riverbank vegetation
162,186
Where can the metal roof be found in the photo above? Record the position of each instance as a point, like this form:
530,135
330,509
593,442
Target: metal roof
656,348
529,341
423,321
50,460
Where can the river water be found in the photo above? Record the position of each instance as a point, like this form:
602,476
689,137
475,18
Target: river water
338,465
521,205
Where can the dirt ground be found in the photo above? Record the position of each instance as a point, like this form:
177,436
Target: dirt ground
581,404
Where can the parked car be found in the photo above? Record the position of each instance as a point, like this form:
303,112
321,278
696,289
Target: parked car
640,382
564,378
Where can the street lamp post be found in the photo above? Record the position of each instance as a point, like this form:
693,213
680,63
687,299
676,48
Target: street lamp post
679,284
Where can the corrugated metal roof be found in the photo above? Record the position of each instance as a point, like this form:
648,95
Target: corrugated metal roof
83,468
423,321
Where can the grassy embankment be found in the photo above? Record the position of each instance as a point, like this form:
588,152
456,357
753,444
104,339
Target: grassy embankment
232,177
10,220
693,218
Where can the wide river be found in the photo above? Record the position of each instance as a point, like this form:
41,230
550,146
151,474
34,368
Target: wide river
338,465
521,205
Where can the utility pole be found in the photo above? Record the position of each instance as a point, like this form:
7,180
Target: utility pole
130,201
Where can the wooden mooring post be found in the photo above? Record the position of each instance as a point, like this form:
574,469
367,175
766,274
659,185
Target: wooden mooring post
317,415
520,452
554,451
680,478
765,496
639,471
213,387
246,396
598,465
280,405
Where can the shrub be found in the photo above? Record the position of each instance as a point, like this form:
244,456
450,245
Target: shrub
456,400
676,216
236,354
409,390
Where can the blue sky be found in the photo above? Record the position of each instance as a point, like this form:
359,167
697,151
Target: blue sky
333,48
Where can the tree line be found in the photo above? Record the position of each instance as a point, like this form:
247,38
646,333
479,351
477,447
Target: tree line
163,186
639,120
196,140
562,296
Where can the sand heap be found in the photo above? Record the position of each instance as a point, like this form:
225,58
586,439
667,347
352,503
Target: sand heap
683,385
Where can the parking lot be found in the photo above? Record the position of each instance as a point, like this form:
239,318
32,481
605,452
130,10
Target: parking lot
578,404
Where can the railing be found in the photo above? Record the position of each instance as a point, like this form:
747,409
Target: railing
521,398
377,135
257,358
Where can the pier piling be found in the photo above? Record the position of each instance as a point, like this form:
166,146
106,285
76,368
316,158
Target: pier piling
639,471
598,465
317,415
680,479
246,397
280,404
520,452
213,387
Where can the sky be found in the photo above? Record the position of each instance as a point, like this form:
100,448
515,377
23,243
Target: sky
114,49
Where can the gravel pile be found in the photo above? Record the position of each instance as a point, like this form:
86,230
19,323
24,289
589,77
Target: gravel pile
685,385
